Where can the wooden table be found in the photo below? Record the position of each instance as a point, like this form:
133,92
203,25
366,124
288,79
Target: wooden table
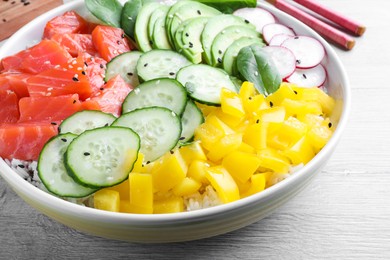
343,214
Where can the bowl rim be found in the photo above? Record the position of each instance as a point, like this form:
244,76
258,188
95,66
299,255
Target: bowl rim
36,194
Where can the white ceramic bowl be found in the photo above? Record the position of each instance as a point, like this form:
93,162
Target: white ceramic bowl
187,225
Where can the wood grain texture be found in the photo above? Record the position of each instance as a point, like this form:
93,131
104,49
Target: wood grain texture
343,214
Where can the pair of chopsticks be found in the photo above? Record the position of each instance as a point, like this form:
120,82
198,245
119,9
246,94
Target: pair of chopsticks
339,37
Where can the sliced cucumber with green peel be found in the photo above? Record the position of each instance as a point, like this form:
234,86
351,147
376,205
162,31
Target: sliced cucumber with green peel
225,38
84,120
125,65
191,119
163,92
172,10
158,127
52,171
204,83
230,56
216,25
102,157
160,64
185,11
141,26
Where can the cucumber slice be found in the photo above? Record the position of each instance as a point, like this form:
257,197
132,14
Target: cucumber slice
158,127
160,64
191,119
164,92
188,10
125,65
172,10
225,38
52,171
160,12
84,120
160,38
216,25
187,38
230,56
129,16
102,157
204,83
141,26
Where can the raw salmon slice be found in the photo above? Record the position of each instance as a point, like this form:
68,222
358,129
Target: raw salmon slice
110,99
75,43
69,22
110,41
15,82
9,112
24,141
48,109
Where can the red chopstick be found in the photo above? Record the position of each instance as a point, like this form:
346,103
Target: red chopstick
321,27
333,16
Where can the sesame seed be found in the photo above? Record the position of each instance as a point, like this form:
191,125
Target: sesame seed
83,72
87,154
145,65
182,138
21,166
130,73
257,121
53,123
172,152
4,20
271,104
64,140
198,11
101,66
219,60
187,34
171,73
304,76
74,101
330,125
246,21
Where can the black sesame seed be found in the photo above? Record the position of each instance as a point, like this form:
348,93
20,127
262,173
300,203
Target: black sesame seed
87,154
295,92
151,42
74,101
172,152
147,162
190,44
21,166
219,52
101,88
26,3
219,60
75,79
53,123
298,61
182,138
130,73
106,124
330,125
145,65
304,76
101,66
246,21
118,42
83,72
86,64
64,140
271,104
123,35
250,98
296,37
4,20
187,35
257,121
198,11
171,73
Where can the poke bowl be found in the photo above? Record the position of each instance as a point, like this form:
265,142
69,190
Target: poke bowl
203,220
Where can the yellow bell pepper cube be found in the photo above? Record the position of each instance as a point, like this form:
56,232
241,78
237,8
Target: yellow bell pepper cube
299,108
255,135
285,91
231,103
300,152
318,136
106,199
254,105
271,115
141,193
208,135
169,171
223,183
124,206
316,94
257,184
231,121
139,164
197,171
241,165
213,120
246,148
206,110
226,145
192,151
186,187
169,205
271,159
247,90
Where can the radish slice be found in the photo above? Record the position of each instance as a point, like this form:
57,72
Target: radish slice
278,39
308,51
313,77
283,58
272,29
256,16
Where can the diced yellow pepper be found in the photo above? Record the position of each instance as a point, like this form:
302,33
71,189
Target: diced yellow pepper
299,109
106,199
316,94
257,184
122,188
169,171
318,136
139,163
255,135
253,105
231,103
226,145
197,171
213,120
300,152
186,187
208,135
229,120
277,142
192,151
271,115
247,90
206,110
141,193
271,159
241,165
290,131
170,205
246,148
223,183
285,91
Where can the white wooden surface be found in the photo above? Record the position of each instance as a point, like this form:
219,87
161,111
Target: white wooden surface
343,214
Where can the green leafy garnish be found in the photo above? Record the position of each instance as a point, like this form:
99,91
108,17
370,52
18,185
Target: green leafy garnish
107,11
256,66
229,6
129,16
